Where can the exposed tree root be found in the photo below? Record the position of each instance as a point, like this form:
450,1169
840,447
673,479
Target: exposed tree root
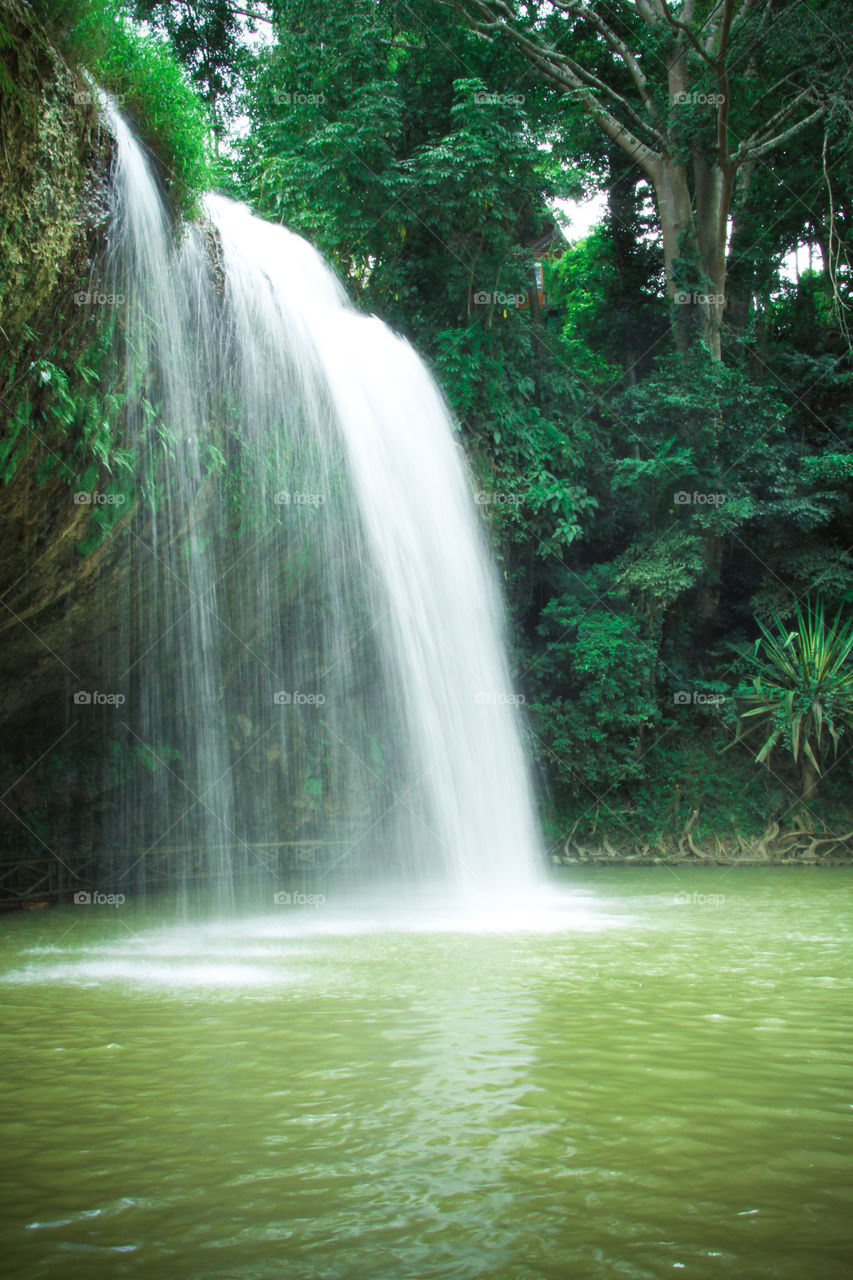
773,846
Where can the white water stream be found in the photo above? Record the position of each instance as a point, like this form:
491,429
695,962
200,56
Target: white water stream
320,652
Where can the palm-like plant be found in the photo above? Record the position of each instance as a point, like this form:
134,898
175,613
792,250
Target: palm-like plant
802,691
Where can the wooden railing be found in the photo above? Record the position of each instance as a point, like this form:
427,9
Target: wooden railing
27,880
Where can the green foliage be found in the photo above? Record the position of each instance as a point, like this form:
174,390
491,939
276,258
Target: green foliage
69,415
802,691
143,74
593,702
207,36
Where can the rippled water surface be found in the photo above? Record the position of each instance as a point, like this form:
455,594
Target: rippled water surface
645,1075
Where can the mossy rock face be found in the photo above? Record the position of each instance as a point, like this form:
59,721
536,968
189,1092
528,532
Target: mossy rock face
53,214
54,164
53,219
50,142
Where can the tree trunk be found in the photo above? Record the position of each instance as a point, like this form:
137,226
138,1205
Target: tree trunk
740,277
699,296
713,189
676,219
698,308
808,779
624,219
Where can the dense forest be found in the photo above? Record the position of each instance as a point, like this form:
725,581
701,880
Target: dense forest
658,416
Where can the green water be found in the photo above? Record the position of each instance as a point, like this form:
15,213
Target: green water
622,1084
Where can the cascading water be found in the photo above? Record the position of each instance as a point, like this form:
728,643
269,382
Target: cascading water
314,656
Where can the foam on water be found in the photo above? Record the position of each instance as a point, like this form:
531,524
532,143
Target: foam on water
284,948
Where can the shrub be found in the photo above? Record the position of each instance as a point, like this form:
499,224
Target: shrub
142,72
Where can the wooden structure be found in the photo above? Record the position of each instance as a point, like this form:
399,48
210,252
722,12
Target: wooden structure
30,881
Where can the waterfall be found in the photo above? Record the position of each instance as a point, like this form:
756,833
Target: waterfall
313,656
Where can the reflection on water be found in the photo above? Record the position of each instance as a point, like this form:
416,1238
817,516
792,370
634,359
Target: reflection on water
612,1081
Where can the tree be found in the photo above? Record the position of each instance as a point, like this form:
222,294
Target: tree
697,93
209,38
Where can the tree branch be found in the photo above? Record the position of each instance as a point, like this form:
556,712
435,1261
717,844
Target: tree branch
723,90
749,146
254,15
686,30
839,305
756,152
647,11
711,26
568,75
579,10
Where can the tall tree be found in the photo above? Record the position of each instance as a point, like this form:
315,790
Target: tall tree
213,39
697,93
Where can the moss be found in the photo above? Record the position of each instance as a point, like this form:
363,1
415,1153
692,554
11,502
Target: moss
46,136
149,83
